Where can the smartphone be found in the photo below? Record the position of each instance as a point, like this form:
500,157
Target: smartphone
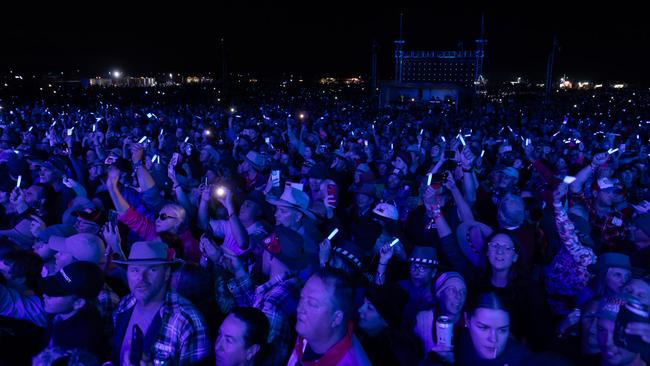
569,179
331,191
137,345
112,217
174,160
221,191
275,178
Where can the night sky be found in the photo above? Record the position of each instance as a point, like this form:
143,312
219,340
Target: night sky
598,42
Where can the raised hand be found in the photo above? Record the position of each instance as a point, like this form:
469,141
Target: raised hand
467,157
385,254
324,252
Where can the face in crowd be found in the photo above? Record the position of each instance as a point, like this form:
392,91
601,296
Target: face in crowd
489,330
422,274
452,298
148,282
316,313
616,278
231,348
501,252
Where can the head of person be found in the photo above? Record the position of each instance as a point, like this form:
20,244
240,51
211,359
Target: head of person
613,271
326,306
96,171
639,288
488,320
21,268
364,195
78,247
148,271
588,337
451,293
346,257
317,174
511,212
639,231
502,252
242,337
284,251
505,179
48,173
252,207
291,207
171,218
72,287
383,307
423,266
37,194
608,191
394,179
89,220
612,354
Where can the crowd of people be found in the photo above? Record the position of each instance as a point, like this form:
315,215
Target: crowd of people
307,226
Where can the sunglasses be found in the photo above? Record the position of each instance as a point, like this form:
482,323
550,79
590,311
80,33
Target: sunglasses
163,216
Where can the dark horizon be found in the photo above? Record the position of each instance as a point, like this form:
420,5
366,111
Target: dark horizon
598,43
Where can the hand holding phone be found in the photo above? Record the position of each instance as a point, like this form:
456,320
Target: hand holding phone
137,345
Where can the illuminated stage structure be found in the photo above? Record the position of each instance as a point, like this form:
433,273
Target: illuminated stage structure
435,75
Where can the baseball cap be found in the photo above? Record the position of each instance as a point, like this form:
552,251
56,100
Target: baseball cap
83,247
82,279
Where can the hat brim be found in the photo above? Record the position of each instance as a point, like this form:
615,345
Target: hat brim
147,262
53,288
253,164
283,203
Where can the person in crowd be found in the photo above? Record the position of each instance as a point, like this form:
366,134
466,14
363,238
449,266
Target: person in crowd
68,295
283,257
242,336
173,329
487,339
324,323
612,353
451,293
381,332
19,294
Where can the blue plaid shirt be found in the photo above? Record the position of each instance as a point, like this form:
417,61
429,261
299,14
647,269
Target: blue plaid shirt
182,338
277,299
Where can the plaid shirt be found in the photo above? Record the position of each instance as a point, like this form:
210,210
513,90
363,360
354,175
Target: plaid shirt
612,227
182,339
277,299
567,274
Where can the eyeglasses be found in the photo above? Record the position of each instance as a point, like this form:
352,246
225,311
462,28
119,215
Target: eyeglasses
163,216
419,267
496,246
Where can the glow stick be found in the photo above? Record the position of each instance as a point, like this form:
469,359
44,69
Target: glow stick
392,244
20,179
143,139
332,234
